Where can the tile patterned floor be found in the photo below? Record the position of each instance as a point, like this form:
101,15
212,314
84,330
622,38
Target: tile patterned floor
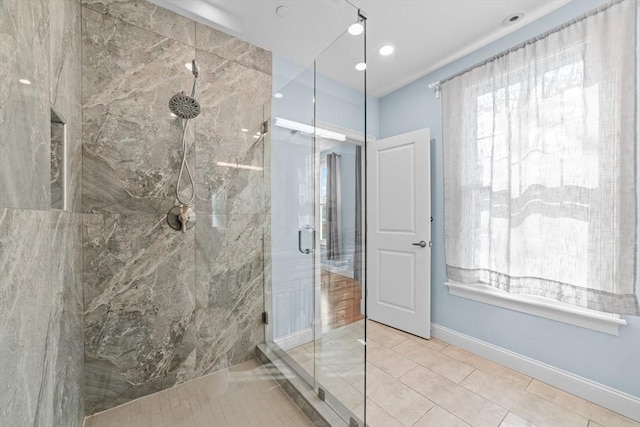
421,383
339,363
244,395
411,382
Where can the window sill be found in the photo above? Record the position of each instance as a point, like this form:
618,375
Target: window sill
542,307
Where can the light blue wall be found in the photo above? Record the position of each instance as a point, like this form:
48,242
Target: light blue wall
610,360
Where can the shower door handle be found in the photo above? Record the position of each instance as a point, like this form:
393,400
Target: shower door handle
313,237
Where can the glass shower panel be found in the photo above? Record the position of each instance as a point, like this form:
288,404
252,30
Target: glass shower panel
293,222
340,136
314,296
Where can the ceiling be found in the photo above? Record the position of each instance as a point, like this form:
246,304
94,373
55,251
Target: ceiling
426,34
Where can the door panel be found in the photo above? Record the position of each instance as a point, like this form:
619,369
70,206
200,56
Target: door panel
398,221
395,190
399,268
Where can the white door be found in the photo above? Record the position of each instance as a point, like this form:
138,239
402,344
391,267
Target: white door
399,232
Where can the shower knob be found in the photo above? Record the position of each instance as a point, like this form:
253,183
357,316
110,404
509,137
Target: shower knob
181,218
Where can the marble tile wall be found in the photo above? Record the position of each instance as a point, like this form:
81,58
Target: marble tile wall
41,383
162,307
25,315
67,317
41,317
24,108
139,307
229,290
131,142
148,16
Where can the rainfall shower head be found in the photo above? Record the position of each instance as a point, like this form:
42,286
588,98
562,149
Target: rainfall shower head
184,106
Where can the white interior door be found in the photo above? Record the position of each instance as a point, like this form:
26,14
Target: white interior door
399,232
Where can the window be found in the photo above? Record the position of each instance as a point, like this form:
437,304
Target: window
539,145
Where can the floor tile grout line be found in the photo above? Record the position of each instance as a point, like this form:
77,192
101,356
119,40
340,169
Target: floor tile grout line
521,415
529,379
246,395
568,408
446,355
468,375
191,408
290,399
528,383
425,414
460,385
505,417
444,348
450,413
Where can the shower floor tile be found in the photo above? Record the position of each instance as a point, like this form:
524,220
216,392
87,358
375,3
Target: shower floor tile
243,395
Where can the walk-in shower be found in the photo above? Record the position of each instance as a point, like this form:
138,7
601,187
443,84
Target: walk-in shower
183,216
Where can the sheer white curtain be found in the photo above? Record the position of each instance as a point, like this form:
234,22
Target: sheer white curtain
539,165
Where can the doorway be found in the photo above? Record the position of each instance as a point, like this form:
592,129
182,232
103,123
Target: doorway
399,232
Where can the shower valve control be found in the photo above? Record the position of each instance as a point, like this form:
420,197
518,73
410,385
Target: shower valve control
181,218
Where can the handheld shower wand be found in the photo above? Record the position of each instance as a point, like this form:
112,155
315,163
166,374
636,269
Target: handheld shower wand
182,217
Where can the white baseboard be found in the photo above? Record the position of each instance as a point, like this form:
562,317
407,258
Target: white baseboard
295,339
605,396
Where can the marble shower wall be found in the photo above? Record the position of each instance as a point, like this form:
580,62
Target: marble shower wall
163,307
41,383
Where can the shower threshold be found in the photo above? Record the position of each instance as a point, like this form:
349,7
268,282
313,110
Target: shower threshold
298,389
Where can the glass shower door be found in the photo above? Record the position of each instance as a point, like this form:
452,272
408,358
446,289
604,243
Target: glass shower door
315,293
340,138
293,223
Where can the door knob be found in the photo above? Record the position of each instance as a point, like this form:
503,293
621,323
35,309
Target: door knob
421,243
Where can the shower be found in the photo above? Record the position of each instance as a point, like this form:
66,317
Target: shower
182,216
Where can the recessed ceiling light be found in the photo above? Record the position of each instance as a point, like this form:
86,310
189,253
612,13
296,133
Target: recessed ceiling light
282,11
386,50
173,115
256,136
278,95
188,66
244,130
513,18
361,66
356,29
25,81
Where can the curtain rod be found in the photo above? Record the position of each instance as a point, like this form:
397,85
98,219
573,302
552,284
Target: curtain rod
436,86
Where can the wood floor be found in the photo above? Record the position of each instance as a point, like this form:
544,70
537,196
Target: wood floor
340,303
